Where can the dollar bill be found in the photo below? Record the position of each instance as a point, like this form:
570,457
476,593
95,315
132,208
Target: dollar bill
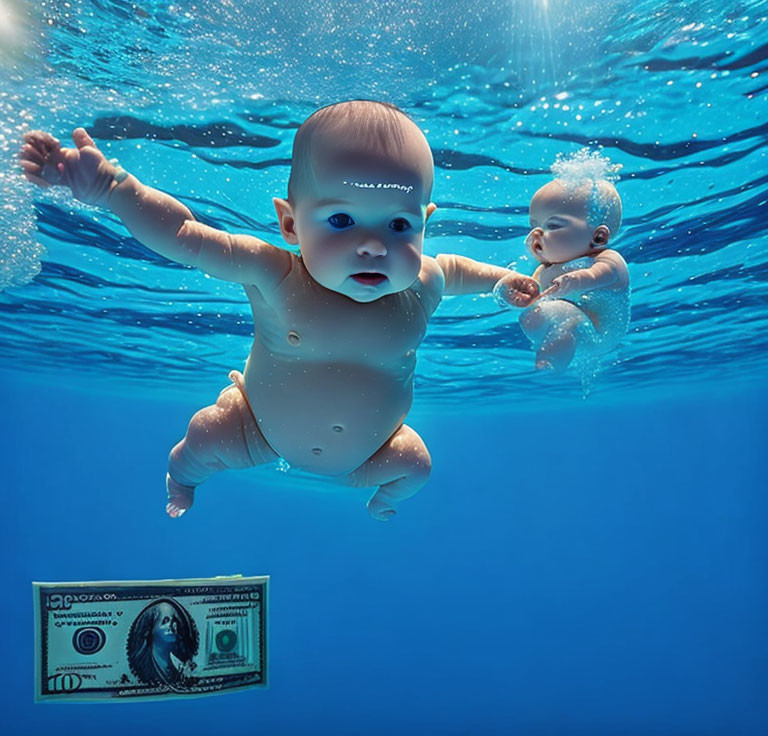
149,639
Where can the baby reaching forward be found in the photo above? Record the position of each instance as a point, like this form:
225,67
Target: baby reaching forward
329,379
582,311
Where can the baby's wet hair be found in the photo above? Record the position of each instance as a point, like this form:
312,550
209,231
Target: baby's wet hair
369,125
588,169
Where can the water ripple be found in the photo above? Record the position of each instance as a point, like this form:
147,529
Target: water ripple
191,105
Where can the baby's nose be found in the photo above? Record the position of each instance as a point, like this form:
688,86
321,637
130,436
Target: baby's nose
372,246
536,234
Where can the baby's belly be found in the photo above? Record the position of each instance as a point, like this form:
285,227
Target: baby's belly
325,418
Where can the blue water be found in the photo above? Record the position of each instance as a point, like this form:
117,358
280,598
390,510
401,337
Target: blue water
575,565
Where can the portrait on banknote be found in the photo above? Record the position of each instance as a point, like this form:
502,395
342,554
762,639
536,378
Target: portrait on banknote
162,643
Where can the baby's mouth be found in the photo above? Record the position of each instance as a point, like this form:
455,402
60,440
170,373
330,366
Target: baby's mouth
369,278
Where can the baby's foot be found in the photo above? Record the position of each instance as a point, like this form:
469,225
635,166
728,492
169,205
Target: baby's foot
180,497
380,508
556,354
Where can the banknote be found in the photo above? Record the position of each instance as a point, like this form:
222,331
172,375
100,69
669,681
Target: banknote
149,639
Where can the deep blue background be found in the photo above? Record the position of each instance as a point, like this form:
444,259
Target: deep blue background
592,568
598,570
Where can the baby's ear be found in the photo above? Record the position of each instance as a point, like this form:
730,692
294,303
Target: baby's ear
286,220
431,207
601,236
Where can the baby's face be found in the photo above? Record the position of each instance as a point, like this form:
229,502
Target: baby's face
559,225
361,229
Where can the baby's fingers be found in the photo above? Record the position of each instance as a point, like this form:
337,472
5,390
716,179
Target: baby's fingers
551,291
44,175
31,167
519,298
525,300
36,179
30,153
81,138
41,140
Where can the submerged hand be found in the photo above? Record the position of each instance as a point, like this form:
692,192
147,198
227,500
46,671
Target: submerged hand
40,156
516,290
84,169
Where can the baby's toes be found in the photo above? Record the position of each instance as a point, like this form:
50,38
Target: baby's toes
180,498
380,509
173,510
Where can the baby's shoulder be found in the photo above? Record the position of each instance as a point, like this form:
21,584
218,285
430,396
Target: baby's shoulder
430,284
612,257
431,273
617,263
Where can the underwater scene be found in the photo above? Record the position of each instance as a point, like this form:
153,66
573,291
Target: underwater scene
500,440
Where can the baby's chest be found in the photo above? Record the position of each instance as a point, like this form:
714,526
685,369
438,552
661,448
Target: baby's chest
334,328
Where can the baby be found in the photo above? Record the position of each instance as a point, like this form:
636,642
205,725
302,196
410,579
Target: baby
583,308
329,380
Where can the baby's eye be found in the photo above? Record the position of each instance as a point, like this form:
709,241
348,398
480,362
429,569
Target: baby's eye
553,226
340,220
400,224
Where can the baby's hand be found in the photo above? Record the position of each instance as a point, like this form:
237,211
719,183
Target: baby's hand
516,290
85,169
562,285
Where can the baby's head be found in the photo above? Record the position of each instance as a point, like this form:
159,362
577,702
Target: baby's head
358,198
578,212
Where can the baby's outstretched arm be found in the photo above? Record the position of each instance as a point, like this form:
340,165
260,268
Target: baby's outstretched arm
154,218
608,270
465,276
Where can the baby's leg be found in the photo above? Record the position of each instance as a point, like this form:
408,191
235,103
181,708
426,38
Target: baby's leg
553,326
399,468
536,321
221,436
557,350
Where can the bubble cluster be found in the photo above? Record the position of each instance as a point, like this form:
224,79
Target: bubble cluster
584,167
20,252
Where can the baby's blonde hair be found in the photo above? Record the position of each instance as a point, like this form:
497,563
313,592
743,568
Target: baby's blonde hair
367,125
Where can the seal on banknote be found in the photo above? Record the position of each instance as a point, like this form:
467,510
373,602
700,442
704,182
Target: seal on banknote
162,643
88,640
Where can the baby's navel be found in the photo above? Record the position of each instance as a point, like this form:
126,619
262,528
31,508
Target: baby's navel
317,450
294,338
337,428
